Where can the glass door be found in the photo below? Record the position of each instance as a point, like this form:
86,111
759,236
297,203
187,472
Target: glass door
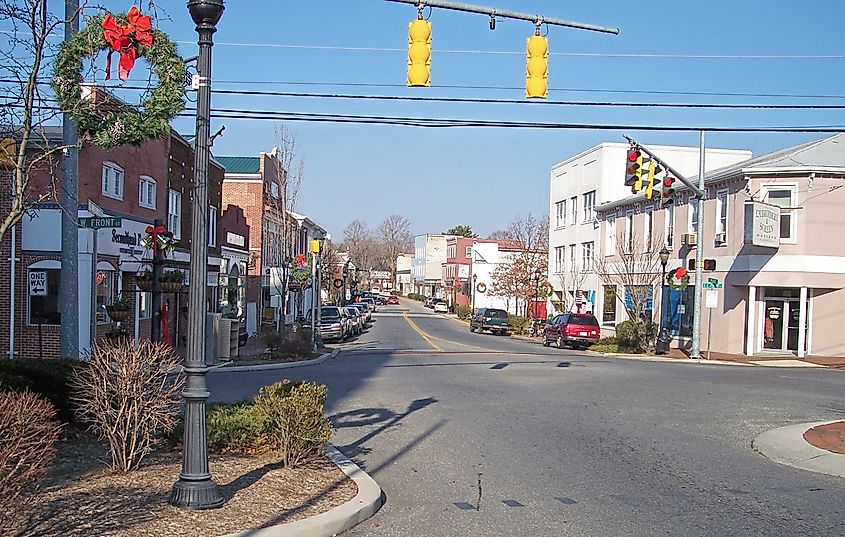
773,324
792,325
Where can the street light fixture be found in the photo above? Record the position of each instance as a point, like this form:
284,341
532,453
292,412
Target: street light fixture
663,337
195,489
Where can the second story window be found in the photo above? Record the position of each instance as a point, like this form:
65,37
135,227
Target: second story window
468,252
112,180
721,216
610,236
785,198
212,225
560,257
586,256
147,192
174,213
589,205
573,202
693,215
669,221
560,213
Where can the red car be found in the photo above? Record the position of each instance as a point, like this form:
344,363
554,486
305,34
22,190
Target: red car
579,330
392,299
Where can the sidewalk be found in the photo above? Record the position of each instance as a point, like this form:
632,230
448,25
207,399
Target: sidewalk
816,447
771,360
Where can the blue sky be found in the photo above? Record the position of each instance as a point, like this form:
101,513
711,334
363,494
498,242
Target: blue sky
484,177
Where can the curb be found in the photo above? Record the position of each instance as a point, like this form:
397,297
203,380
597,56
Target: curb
786,445
689,361
265,367
343,517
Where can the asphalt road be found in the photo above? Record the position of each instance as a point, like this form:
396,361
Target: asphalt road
482,435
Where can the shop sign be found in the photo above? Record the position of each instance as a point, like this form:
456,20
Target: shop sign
762,224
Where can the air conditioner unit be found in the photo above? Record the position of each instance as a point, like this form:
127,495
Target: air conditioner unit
721,238
689,239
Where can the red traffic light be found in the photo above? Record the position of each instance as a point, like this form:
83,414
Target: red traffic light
633,155
669,181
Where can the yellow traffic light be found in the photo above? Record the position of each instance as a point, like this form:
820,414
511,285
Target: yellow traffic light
537,67
649,188
314,246
419,53
8,153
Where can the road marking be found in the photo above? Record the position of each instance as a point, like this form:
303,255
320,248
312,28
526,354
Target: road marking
512,503
499,366
421,333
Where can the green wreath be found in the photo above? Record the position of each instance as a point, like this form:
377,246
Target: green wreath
110,128
678,279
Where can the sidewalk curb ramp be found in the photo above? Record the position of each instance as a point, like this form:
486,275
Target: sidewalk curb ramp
786,445
343,517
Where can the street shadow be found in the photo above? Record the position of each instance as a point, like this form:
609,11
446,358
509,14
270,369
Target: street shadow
248,479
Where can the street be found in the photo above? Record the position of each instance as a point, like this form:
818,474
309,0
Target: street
473,434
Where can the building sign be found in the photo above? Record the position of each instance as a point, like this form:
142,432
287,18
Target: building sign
234,238
762,224
463,272
380,274
37,283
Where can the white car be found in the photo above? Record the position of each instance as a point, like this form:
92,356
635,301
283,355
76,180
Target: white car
441,307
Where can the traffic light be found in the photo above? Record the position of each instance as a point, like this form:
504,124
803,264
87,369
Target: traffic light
537,67
653,170
634,170
668,193
419,53
709,264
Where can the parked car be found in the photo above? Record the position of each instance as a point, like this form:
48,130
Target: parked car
349,321
492,319
372,302
332,325
357,319
364,309
441,307
429,302
578,330
393,300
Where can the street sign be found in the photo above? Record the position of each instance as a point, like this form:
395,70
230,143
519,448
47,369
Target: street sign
98,222
711,285
38,283
711,299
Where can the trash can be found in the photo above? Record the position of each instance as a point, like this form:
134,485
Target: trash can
664,338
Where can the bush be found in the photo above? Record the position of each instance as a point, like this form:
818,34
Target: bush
518,322
129,397
291,343
464,312
607,340
28,433
236,427
294,421
635,337
46,377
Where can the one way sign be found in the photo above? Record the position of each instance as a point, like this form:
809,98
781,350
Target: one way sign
38,283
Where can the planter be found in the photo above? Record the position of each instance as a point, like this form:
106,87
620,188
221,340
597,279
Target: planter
171,287
118,315
145,284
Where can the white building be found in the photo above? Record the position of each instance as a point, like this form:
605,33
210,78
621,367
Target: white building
577,186
486,257
427,265
404,280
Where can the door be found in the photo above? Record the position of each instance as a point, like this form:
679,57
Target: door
773,324
792,326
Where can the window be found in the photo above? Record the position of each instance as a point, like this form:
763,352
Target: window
147,192
639,300
560,213
587,256
145,308
468,252
608,315
212,225
589,205
112,180
560,258
573,201
669,222
573,266
648,229
722,214
610,236
629,231
45,309
174,214
785,199
105,294
274,189
693,215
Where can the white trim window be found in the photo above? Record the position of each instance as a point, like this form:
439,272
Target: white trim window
722,215
692,225
113,180
212,225
785,197
629,231
468,252
610,236
587,250
648,229
573,201
274,189
589,205
669,226
560,213
573,266
560,259
147,192
174,213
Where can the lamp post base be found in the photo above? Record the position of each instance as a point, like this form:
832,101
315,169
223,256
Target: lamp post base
664,339
196,494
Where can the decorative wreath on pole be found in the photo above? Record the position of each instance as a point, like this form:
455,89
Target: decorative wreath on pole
678,279
481,287
546,289
159,238
132,36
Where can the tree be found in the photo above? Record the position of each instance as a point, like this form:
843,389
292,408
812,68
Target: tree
463,231
515,276
500,235
394,234
361,245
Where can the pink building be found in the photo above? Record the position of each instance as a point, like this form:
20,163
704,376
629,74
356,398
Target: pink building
772,224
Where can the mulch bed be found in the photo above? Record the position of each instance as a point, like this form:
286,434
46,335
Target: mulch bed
830,437
80,500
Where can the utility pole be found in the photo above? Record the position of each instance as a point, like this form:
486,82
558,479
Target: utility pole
699,255
69,279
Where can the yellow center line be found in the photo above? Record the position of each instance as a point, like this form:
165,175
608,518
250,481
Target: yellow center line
421,333
428,337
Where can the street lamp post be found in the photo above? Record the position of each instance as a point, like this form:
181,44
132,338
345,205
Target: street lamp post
474,279
345,278
664,337
537,273
195,488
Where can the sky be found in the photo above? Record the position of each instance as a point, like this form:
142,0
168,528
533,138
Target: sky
484,177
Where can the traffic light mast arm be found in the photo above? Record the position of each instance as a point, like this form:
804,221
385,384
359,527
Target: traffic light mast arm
492,12
699,193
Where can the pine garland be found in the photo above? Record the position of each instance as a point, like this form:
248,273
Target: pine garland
129,125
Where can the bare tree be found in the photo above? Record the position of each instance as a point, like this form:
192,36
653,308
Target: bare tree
523,271
394,234
500,235
362,247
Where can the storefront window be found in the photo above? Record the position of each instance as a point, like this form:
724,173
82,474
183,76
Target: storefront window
146,306
44,309
639,299
105,293
677,318
609,307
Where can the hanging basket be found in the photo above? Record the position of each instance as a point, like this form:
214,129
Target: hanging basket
144,284
118,315
171,287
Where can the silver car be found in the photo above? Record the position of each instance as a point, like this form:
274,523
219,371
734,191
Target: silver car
356,318
365,311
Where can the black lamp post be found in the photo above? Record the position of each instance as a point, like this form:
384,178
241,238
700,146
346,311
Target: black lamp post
474,279
664,337
345,277
537,273
195,488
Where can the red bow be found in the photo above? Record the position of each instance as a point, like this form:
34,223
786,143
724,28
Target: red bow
680,272
123,39
301,261
155,232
